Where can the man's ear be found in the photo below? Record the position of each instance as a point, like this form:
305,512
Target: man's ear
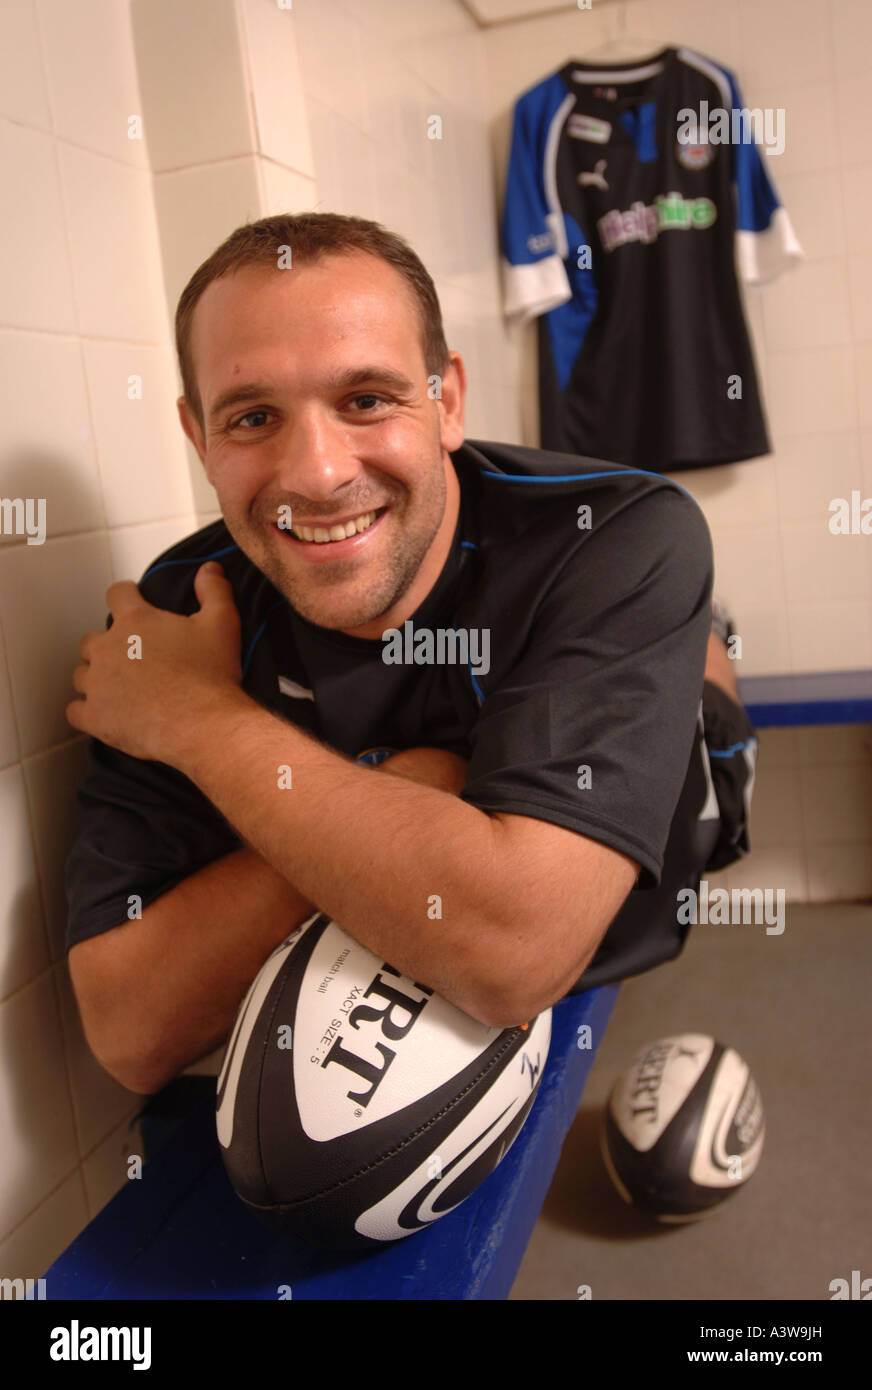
191,426
452,403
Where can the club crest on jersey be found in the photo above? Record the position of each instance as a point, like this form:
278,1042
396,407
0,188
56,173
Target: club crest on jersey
589,128
695,154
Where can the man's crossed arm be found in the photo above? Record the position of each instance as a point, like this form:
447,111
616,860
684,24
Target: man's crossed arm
498,913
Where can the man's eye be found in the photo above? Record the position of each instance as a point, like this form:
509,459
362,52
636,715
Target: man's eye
371,398
251,415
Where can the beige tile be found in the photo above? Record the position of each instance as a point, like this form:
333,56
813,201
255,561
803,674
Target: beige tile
856,181
748,564
23,945
37,1137
284,190
852,37
140,444
107,1168
863,369
836,743
820,566
812,469
839,873
784,41
51,780
809,147
854,120
196,209
814,203
811,391
765,637
830,636
730,494
99,1103
192,81
781,866
776,811
91,68
35,272
50,595
114,247
10,751
838,804
860,282
135,548
43,1236
49,453
23,95
329,53
809,308
282,123
778,748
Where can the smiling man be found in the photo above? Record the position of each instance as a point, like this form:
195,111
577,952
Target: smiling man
244,716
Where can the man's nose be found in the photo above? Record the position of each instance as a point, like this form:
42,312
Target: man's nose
316,457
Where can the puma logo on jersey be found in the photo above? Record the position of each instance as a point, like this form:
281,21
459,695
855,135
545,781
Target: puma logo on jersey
597,178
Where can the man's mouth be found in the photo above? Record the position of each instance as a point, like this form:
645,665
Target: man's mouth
338,531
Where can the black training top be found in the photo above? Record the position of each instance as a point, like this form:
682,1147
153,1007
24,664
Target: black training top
582,591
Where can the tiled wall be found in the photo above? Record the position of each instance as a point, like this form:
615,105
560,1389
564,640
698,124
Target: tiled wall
249,109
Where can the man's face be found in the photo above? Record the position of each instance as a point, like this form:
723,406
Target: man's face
338,425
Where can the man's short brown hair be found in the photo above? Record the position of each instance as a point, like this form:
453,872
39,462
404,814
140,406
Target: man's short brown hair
310,236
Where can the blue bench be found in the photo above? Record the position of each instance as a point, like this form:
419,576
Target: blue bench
828,697
180,1232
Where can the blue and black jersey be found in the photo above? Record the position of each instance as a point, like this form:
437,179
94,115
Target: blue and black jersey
583,707
625,221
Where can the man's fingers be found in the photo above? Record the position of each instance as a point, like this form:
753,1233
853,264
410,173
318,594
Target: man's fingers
87,643
122,596
213,588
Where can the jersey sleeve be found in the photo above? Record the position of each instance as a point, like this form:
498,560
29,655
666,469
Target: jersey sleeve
766,244
533,235
141,828
594,727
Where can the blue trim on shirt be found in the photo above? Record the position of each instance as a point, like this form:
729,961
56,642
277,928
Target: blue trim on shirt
196,560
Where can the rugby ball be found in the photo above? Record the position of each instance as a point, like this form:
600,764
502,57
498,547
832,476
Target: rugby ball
684,1127
355,1106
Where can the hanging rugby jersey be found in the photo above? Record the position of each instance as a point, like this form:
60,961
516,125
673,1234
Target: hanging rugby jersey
634,192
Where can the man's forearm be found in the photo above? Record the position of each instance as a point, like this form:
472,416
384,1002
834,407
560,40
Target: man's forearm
411,872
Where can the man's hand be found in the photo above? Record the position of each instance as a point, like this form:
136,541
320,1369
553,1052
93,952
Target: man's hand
148,696
432,767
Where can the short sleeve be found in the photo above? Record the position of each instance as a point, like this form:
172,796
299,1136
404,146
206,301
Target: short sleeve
533,236
141,828
766,244
593,727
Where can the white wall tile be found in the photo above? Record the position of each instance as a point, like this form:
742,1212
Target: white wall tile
780,866
812,390
50,596
284,190
809,308
763,627
854,124
35,287
135,548
852,37
114,247
856,182
833,636
192,80
808,140
837,802
839,873
820,566
51,779
277,92
46,444
23,946
91,69
37,1137
813,469
23,94
860,282
784,41
44,1235
140,443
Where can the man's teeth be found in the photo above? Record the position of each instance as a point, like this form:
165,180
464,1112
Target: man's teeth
321,534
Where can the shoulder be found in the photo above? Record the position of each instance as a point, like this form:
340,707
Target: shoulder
169,580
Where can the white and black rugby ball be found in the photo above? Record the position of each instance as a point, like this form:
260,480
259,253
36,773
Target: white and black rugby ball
355,1106
684,1127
